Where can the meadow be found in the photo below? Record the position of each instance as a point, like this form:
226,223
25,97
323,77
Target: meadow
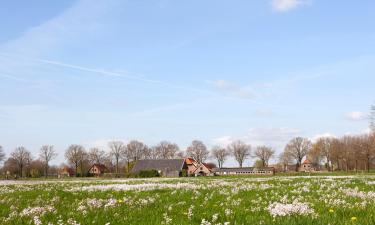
205,200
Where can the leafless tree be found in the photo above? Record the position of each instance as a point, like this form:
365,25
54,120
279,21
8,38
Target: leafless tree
95,155
220,154
323,149
285,159
2,154
298,149
116,151
181,154
46,154
166,150
366,144
75,154
136,150
198,151
240,150
372,118
22,157
264,153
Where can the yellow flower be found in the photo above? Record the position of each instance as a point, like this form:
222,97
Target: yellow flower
120,201
354,218
331,211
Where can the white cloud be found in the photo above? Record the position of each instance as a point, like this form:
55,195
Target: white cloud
233,89
103,143
324,135
274,137
356,116
286,5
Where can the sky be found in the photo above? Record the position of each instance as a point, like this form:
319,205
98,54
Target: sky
263,71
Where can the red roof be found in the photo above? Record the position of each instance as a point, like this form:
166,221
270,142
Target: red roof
306,161
189,161
101,167
209,166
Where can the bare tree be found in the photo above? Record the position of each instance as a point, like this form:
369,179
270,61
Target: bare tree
95,155
116,151
166,150
240,150
74,154
366,144
220,154
136,150
298,148
181,154
372,118
22,157
323,148
46,154
285,159
264,154
198,151
2,154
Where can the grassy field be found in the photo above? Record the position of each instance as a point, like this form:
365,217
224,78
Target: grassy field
206,200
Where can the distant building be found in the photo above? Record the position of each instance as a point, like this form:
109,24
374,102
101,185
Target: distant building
198,169
97,169
306,166
244,171
165,167
66,172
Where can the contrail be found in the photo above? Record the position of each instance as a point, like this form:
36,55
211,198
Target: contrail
106,73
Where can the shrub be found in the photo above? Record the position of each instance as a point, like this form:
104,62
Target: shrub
148,173
184,173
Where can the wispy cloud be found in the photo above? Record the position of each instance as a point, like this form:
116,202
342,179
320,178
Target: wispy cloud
233,89
356,116
82,68
12,77
323,135
275,137
286,5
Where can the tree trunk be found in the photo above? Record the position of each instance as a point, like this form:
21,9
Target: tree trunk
46,171
368,165
76,164
116,167
21,168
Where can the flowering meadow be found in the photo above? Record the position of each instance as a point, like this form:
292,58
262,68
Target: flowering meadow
206,200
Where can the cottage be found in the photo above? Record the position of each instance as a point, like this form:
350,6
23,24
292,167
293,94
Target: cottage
198,169
203,169
97,169
165,167
244,171
306,166
65,172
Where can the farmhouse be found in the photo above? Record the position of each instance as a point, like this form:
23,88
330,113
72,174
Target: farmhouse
198,169
244,171
306,166
66,172
165,167
97,169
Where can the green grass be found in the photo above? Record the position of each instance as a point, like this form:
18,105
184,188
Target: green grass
237,200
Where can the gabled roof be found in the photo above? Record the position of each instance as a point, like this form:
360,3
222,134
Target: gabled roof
190,161
159,164
202,164
101,167
208,166
306,162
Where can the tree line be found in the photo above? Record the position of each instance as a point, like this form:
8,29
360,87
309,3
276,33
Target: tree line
120,156
348,153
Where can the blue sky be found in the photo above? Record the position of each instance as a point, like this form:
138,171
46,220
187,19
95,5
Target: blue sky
262,71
